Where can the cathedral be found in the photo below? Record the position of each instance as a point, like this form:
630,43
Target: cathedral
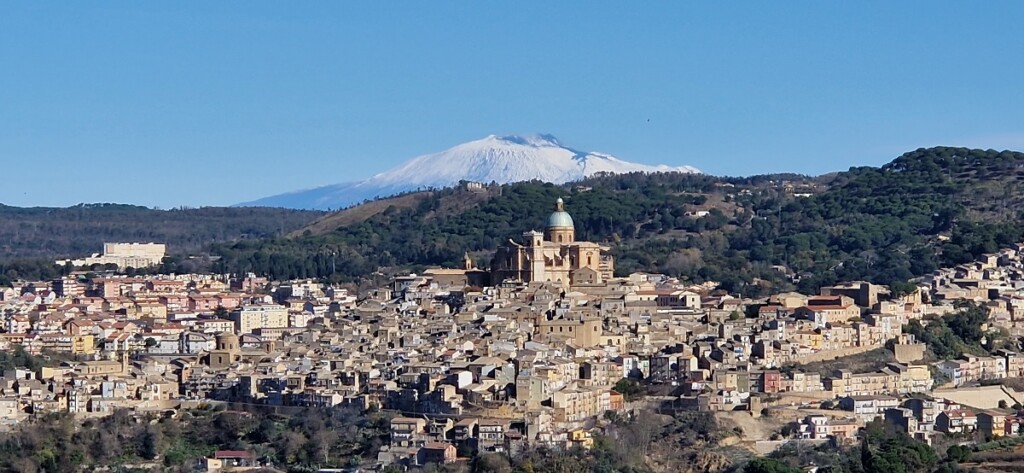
553,256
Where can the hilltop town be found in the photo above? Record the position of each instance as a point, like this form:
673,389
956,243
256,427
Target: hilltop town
538,351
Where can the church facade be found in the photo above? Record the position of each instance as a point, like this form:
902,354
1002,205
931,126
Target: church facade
553,256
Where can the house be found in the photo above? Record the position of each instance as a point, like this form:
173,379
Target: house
465,430
492,435
437,452
956,421
581,438
814,427
771,382
10,410
903,419
408,432
868,407
996,424
842,429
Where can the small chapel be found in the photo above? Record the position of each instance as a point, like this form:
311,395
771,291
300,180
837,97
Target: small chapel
553,256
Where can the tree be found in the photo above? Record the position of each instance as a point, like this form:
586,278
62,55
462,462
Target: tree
954,334
886,449
958,453
19,358
768,465
320,443
491,463
291,447
902,288
629,388
641,432
150,447
151,342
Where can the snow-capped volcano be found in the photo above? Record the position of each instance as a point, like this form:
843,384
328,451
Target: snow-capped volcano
501,159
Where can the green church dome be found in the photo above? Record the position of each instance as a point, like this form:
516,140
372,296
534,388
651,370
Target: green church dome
560,218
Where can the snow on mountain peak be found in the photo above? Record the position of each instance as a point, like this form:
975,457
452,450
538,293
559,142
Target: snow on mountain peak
500,159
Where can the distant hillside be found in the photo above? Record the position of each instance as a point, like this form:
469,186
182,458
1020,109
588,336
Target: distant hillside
44,232
926,208
439,227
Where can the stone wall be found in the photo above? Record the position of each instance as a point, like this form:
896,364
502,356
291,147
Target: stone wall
909,352
827,355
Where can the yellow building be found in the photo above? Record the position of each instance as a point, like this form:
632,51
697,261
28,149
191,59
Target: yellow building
846,383
249,318
73,344
808,338
83,345
581,438
553,256
135,255
577,405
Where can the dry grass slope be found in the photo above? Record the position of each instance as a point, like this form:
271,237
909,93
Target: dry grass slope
452,204
358,214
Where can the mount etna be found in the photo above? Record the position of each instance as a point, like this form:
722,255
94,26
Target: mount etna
494,159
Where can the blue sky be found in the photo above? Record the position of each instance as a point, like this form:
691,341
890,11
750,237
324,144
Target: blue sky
214,103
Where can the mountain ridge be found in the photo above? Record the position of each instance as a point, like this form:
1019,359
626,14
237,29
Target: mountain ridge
497,159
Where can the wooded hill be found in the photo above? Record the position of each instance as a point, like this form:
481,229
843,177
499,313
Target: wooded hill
45,232
928,208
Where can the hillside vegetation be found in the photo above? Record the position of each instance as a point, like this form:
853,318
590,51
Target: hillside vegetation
339,438
121,442
929,207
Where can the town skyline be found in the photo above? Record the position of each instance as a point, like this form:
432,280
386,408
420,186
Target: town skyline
549,349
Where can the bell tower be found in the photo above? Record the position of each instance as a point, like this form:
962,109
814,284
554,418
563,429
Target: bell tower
534,255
